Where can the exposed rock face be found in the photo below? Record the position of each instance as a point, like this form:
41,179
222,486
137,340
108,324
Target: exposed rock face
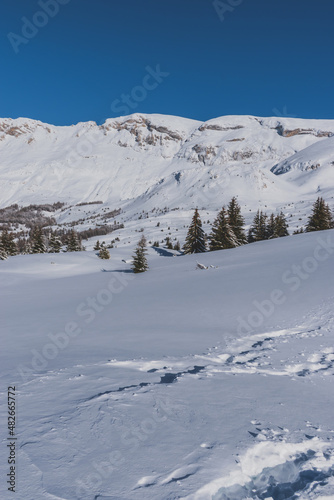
299,131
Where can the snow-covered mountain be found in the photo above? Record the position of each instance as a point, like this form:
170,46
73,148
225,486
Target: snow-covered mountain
195,382
165,160
156,164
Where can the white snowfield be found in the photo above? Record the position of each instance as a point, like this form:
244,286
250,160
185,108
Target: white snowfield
179,383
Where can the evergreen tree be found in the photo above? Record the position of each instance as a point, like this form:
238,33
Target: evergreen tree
139,263
3,253
222,235
195,239
321,217
37,240
104,253
97,245
55,243
7,240
73,243
258,230
177,246
281,225
271,227
169,244
236,221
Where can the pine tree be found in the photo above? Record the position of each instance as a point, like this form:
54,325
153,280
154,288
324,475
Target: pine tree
271,227
236,221
222,235
321,217
73,243
104,253
258,230
55,243
168,243
37,240
97,245
139,263
195,239
7,240
3,253
281,225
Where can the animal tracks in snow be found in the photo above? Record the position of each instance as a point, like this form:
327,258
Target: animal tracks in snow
276,353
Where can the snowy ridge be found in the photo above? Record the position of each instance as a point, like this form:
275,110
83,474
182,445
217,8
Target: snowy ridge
154,160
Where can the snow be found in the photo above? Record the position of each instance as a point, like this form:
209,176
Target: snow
174,383
147,162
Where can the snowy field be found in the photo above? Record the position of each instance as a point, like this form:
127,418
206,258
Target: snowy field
178,383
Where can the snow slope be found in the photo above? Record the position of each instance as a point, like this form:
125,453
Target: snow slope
311,168
177,383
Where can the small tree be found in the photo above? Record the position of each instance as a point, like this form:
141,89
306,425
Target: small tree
271,227
195,239
321,217
55,243
222,235
97,245
73,244
258,230
3,253
104,253
37,240
177,246
281,225
236,221
8,243
169,244
139,263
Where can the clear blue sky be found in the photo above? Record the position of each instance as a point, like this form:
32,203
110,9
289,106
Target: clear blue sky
267,57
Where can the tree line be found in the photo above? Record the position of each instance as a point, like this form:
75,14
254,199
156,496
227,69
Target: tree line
38,242
228,228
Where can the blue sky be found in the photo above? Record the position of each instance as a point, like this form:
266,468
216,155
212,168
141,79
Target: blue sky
94,59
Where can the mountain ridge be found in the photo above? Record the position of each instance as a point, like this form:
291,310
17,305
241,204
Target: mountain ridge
148,161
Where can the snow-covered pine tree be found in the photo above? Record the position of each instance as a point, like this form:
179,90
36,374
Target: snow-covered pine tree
139,263
104,253
168,243
222,235
3,253
97,245
277,226
195,239
37,240
236,221
73,242
321,217
258,230
281,225
7,240
271,227
55,243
